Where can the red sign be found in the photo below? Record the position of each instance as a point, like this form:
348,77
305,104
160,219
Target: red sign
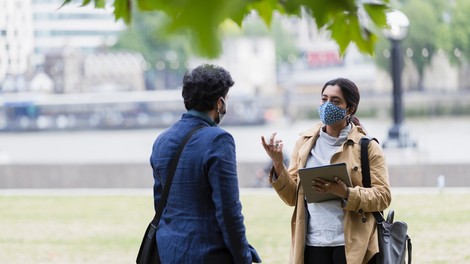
323,58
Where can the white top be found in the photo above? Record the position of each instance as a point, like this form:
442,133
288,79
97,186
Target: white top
325,222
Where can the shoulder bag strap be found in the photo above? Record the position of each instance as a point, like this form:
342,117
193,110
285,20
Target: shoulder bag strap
171,173
366,183
366,172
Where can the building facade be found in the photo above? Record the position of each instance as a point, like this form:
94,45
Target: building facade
84,28
16,40
36,33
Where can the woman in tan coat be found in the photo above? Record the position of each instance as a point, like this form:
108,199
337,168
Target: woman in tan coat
341,230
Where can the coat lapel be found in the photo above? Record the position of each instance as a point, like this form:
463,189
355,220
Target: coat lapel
309,138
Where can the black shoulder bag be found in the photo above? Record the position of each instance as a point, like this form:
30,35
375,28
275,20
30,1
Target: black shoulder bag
148,252
394,242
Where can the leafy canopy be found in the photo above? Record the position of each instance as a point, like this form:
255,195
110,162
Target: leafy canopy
460,33
350,21
434,25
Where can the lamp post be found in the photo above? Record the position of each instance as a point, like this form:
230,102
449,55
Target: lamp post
399,23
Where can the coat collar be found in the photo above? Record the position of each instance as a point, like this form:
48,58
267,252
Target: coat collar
309,137
354,136
202,115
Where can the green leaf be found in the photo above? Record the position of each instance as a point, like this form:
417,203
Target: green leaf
293,7
265,9
326,11
66,2
340,32
123,10
205,30
346,29
361,36
99,3
149,5
377,13
239,15
238,10
86,2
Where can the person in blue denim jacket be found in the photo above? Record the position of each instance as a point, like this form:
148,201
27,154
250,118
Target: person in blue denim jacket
202,221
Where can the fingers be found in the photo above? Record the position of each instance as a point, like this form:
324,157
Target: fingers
274,145
278,145
320,188
336,187
271,140
320,185
323,185
339,181
321,182
263,142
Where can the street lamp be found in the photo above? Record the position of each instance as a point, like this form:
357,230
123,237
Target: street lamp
399,23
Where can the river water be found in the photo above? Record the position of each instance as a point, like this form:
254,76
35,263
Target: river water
439,140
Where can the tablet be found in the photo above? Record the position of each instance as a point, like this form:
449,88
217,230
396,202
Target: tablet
328,172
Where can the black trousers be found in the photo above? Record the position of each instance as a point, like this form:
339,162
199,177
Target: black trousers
324,255
333,255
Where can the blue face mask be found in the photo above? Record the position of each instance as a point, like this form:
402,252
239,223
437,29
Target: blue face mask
330,113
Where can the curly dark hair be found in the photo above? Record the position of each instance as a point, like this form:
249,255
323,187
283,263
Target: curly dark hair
204,85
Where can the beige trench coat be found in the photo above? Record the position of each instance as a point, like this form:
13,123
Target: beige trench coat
360,238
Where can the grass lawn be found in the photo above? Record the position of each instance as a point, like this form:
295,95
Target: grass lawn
108,228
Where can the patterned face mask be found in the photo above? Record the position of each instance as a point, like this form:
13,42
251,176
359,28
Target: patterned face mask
330,113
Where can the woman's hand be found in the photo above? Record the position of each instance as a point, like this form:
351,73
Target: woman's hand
336,187
274,149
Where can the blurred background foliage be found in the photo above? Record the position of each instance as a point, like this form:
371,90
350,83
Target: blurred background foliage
173,30
434,25
350,21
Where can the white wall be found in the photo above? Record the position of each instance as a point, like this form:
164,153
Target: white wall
251,63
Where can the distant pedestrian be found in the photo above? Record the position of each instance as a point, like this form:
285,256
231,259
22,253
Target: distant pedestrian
203,221
342,230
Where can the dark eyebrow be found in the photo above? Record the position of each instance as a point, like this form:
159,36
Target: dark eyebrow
332,97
